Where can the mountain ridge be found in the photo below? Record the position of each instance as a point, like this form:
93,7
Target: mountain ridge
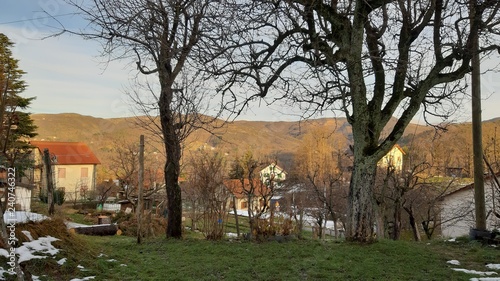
266,138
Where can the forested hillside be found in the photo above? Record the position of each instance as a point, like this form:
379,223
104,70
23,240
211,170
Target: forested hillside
451,148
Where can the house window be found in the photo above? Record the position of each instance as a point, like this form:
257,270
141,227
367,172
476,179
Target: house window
85,172
244,205
61,173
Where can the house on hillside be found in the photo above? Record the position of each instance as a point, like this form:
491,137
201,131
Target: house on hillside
73,167
242,193
458,209
272,173
394,158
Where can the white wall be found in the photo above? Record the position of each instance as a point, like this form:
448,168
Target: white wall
458,212
23,198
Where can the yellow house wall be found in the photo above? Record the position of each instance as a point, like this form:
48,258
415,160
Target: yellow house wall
73,182
393,158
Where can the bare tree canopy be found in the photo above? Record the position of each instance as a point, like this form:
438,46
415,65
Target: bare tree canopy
371,60
166,40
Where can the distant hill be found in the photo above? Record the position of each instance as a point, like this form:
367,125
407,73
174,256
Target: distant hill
280,139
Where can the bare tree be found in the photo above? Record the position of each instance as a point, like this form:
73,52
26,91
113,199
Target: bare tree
207,175
371,60
104,190
320,169
125,166
166,39
246,181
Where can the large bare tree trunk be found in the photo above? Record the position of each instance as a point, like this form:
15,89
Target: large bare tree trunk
172,165
361,214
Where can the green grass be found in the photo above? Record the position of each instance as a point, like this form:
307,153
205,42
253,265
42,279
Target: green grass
120,258
193,258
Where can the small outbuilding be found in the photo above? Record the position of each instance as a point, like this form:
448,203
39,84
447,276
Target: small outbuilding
458,209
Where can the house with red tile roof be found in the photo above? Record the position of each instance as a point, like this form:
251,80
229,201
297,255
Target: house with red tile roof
73,167
244,191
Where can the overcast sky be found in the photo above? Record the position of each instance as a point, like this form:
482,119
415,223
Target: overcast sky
65,73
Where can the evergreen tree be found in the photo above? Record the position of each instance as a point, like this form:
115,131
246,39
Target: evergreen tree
16,126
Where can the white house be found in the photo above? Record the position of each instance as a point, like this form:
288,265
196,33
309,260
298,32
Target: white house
73,167
393,158
273,172
458,209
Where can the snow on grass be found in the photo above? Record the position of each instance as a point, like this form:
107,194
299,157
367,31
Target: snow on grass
493,266
35,249
42,245
84,279
454,262
485,279
482,273
28,235
2,271
61,261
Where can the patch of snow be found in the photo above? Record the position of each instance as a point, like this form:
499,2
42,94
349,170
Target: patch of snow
454,262
28,234
452,240
111,260
231,235
485,279
84,279
35,278
482,273
22,217
70,225
2,271
42,245
493,266
101,255
61,261
123,264
4,253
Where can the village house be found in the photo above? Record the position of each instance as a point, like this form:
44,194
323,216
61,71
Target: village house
73,167
394,158
458,209
250,191
272,173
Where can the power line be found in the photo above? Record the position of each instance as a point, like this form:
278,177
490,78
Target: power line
38,18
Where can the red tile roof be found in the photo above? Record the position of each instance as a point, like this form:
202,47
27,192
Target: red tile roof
234,186
68,153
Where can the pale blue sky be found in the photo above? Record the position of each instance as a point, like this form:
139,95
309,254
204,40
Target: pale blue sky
66,74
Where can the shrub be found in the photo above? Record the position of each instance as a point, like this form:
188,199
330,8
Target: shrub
58,196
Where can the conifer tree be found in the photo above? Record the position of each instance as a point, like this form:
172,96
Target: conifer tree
17,127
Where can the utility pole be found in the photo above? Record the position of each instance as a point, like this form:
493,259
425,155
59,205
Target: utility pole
477,135
140,188
50,183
